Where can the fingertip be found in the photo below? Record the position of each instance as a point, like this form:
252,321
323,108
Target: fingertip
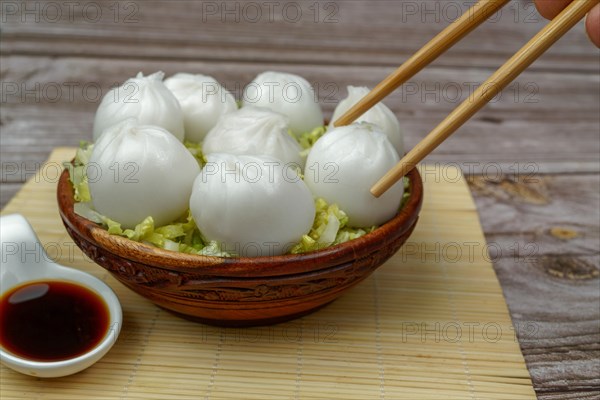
592,25
550,9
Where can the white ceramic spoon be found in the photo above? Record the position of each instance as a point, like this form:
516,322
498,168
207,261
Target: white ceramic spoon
23,259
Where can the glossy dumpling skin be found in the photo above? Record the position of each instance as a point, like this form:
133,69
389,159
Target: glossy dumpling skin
138,171
344,164
251,205
254,131
287,94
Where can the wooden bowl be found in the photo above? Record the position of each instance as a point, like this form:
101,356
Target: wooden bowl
240,291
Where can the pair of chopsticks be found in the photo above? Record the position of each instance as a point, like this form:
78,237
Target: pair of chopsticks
480,12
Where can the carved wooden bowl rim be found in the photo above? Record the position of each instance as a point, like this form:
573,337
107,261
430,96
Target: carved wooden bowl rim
153,257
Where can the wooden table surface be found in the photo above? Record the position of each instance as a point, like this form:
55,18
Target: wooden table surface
532,156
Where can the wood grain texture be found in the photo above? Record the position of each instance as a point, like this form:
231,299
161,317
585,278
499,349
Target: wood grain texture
7,191
555,137
379,32
58,99
543,236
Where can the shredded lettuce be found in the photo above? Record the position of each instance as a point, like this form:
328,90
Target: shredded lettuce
406,194
77,172
196,150
308,139
182,235
329,226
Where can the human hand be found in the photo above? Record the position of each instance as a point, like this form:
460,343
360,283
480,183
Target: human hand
551,8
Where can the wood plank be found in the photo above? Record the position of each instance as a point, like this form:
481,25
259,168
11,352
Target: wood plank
81,82
7,192
299,32
560,212
569,395
559,324
543,235
50,103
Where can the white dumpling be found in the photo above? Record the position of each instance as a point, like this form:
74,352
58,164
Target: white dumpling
137,171
254,131
379,115
145,98
251,205
344,164
203,101
288,94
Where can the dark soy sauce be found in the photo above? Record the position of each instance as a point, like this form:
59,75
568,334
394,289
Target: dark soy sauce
52,321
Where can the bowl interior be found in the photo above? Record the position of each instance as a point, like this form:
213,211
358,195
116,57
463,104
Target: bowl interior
242,266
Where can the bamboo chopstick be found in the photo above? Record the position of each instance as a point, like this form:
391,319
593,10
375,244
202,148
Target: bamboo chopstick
487,91
458,29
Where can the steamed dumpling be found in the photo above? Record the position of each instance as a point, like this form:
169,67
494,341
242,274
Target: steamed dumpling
288,94
254,131
203,101
379,115
251,205
344,164
145,98
138,171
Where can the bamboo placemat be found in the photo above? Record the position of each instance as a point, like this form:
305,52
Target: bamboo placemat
429,324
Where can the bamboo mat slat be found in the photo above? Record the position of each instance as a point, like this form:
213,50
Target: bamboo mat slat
431,323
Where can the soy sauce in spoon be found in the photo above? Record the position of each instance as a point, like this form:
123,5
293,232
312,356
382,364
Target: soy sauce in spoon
52,320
